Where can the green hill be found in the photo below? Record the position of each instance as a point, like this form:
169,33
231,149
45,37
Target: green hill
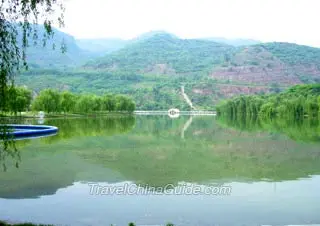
266,64
153,67
51,55
165,53
294,54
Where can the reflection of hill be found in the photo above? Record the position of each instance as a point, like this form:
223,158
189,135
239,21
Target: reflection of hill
209,152
44,171
154,154
199,161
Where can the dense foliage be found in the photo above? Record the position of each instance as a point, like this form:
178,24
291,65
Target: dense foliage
297,102
294,54
52,101
18,100
150,92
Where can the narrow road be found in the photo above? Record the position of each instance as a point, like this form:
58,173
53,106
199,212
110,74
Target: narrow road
185,96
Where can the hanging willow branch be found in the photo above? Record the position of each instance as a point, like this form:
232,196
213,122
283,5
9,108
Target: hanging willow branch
17,20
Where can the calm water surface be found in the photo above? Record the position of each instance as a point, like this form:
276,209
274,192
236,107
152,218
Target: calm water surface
267,175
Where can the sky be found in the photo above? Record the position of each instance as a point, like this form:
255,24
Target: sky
295,21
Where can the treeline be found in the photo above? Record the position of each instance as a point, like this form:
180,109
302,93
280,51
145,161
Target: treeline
18,99
52,101
297,102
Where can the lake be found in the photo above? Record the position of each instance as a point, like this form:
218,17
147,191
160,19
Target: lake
153,170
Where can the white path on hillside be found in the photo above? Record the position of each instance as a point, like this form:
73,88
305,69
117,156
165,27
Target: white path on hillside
185,96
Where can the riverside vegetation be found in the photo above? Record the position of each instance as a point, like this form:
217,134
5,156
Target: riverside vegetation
295,103
52,101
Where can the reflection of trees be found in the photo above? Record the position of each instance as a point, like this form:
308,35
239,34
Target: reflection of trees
154,155
160,158
303,130
76,127
8,148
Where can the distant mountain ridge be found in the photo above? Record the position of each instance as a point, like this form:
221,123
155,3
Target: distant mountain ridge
96,51
108,45
163,53
51,55
234,42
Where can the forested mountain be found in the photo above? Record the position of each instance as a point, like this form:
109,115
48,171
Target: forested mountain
104,46
165,53
266,63
153,67
51,55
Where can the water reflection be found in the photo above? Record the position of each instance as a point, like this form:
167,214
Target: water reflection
10,144
152,152
307,130
7,148
272,172
81,127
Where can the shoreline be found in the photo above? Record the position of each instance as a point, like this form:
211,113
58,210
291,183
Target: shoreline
54,116
8,223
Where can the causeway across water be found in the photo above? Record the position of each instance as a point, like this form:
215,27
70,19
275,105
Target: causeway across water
180,112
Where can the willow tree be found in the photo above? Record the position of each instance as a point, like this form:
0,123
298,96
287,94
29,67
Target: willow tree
17,29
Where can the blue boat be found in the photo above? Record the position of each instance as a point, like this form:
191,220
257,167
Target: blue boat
27,131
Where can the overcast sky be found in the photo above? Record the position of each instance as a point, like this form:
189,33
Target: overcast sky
266,20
